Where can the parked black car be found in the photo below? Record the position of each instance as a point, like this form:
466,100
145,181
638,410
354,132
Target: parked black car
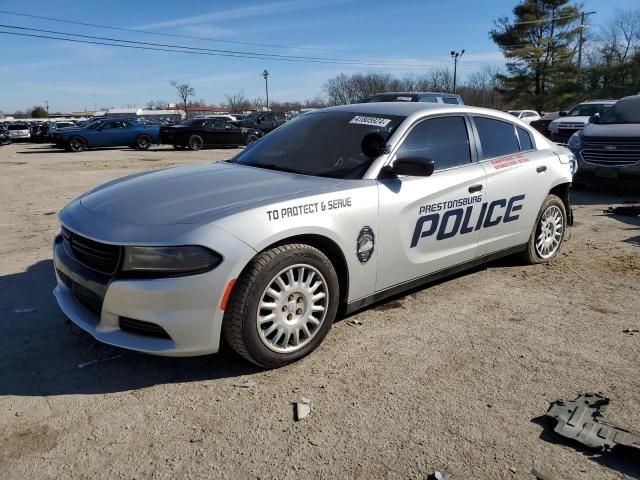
198,133
542,124
263,121
4,139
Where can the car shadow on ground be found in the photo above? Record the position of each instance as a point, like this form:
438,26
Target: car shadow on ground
42,349
621,459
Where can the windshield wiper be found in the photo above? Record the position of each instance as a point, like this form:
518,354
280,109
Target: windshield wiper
279,168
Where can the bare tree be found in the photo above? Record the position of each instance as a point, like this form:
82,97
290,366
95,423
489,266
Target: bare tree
156,105
184,92
238,102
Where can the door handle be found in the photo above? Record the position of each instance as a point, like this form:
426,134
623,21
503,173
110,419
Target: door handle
541,168
475,188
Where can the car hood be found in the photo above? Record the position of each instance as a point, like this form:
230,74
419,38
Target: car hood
570,120
196,194
613,130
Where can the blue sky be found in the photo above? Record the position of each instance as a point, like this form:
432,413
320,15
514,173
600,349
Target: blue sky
76,76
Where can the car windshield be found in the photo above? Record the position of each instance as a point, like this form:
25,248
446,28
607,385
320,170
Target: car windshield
588,109
191,121
325,144
18,126
626,111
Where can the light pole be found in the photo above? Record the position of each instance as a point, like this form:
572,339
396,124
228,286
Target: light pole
265,75
46,102
456,56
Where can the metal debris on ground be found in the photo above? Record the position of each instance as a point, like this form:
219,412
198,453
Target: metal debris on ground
538,474
25,310
438,475
247,384
354,323
626,209
631,331
303,408
92,362
582,420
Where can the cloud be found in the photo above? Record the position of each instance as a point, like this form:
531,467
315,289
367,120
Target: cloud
231,14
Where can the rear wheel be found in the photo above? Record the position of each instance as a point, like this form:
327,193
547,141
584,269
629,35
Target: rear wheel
143,142
196,142
77,144
549,232
282,306
250,139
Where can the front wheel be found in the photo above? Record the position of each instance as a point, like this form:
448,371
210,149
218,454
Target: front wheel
549,232
77,144
282,306
196,142
143,142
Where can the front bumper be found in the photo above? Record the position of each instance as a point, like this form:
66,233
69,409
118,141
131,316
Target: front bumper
186,310
605,173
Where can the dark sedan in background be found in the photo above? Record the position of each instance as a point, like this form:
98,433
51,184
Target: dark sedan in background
542,124
198,133
263,121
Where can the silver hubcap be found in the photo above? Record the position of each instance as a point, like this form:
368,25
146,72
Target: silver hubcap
550,232
292,308
76,144
143,142
196,143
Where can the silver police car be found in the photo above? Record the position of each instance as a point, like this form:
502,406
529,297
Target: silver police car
335,210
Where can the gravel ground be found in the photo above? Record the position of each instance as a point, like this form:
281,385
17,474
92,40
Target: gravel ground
454,376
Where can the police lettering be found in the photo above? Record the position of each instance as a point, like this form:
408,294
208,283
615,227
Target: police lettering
456,221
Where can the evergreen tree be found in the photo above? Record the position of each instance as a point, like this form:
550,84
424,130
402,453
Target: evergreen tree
539,44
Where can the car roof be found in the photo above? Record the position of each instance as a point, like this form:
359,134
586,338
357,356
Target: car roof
394,108
444,94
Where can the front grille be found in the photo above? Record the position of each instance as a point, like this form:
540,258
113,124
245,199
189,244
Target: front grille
611,151
139,327
101,257
87,298
563,134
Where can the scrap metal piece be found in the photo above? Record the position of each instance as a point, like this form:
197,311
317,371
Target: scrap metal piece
581,420
628,209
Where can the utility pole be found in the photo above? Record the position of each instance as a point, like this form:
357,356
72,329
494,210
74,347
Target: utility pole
456,56
582,26
46,103
265,75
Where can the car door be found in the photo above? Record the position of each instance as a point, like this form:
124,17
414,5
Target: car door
103,134
125,133
517,182
429,223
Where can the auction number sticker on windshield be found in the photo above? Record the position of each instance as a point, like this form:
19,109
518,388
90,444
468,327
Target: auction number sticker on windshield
375,121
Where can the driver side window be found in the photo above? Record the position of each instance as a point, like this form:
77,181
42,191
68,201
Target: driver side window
444,140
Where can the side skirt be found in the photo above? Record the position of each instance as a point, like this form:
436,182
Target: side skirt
432,277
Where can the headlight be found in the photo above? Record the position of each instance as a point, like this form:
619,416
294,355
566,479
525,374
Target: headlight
575,141
183,259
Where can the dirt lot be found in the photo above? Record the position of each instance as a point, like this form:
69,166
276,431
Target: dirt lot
453,376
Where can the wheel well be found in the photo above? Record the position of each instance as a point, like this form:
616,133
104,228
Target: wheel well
333,252
563,191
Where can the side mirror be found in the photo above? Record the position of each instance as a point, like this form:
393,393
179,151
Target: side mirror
595,118
563,113
413,166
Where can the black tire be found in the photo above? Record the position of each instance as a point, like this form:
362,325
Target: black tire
196,142
250,139
534,253
143,141
240,325
77,144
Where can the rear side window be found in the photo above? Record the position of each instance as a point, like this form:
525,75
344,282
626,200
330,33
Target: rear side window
497,138
444,140
525,139
429,99
450,100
